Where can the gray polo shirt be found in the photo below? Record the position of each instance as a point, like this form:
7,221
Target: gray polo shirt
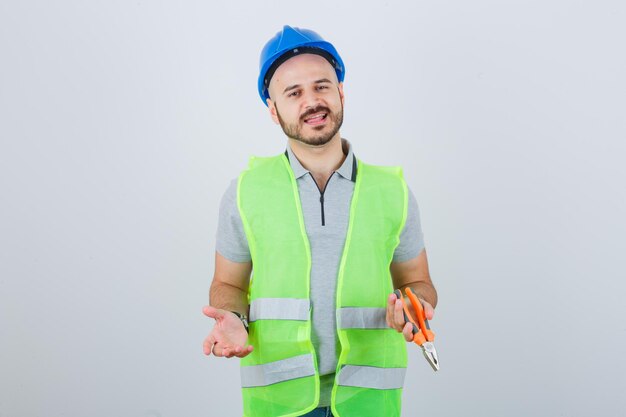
326,213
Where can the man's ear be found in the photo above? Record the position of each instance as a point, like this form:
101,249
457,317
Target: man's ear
340,88
272,109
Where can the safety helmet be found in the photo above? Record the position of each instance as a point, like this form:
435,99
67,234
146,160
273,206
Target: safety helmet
291,42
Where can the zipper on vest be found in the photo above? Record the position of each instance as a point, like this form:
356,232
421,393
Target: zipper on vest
322,194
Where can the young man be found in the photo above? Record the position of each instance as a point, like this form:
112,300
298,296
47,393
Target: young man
329,238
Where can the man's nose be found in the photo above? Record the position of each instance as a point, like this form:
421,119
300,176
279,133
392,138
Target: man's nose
311,98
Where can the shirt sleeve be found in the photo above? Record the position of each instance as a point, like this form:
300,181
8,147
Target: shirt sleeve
230,240
411,237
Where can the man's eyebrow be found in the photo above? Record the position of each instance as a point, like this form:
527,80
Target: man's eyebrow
293,87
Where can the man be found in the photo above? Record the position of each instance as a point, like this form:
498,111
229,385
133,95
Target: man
329,238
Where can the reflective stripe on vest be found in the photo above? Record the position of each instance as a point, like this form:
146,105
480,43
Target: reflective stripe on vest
371,377
279,309
362,318
278,371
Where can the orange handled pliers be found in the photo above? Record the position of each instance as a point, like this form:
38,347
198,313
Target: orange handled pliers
422,335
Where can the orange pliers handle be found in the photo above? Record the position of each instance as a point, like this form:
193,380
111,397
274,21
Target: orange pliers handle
421,328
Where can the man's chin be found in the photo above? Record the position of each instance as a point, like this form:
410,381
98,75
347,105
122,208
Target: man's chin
317,141
318,136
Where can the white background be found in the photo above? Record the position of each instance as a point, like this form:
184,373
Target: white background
122,123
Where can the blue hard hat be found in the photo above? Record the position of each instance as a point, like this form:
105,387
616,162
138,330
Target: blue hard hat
291,42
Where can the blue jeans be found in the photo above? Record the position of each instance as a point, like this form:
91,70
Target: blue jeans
319,412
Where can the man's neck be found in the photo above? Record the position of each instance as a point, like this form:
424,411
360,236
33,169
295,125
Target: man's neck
320,160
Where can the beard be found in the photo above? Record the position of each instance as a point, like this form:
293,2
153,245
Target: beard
294,130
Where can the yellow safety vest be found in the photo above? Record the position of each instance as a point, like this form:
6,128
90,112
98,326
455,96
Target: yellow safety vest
280,377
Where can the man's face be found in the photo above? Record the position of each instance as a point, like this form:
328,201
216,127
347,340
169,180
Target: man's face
307,100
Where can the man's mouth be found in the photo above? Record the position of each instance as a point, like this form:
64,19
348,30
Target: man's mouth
316,118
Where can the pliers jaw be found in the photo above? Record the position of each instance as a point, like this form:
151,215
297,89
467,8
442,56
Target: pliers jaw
430,353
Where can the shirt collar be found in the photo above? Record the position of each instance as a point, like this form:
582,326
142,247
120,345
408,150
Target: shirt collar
347,169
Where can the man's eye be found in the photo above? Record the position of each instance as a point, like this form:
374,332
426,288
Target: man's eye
293,94
322,87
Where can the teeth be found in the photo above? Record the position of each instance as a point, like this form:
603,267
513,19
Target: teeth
317,116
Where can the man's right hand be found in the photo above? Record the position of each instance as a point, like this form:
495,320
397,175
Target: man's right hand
228,337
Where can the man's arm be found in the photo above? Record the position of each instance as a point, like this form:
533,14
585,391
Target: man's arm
229,289
414,274
229,292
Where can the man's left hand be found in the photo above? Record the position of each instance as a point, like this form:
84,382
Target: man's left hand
395,318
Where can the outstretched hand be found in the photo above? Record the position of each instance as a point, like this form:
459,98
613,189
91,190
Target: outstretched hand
228,337
395,318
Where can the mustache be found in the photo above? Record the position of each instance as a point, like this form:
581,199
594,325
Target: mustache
313,111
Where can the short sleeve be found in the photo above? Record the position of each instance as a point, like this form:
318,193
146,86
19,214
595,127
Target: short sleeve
230,240
411,237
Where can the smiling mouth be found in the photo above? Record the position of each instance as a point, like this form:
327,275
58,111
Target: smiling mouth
316,119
